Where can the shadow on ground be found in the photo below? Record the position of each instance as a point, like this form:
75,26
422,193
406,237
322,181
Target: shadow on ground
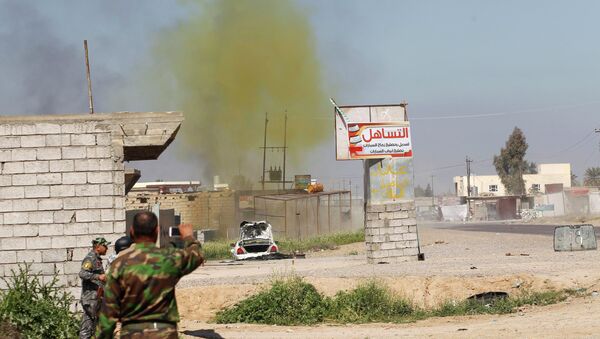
208,334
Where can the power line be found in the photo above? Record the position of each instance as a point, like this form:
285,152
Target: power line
497,114
559,153
484,115
554,154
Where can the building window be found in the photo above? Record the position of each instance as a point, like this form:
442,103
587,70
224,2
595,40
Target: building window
493,188
535,187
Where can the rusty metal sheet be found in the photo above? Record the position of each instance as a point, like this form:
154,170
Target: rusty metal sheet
574,238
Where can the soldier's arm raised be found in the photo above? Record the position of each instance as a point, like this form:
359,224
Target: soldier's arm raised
191,255
111,307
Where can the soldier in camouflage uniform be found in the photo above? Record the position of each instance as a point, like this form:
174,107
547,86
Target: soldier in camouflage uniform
92,278
140,286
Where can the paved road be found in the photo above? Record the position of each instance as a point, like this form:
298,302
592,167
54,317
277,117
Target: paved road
495,227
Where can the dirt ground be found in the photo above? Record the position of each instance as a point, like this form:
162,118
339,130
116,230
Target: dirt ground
458,264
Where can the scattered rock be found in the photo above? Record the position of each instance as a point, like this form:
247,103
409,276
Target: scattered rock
473,267
595,294
517,284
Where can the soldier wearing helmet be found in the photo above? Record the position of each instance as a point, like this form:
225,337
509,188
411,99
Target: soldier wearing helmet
121,244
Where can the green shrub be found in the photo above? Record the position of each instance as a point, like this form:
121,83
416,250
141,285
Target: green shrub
294,302
369,302
37,309
324,242
289,301
499,306
465,307
542,298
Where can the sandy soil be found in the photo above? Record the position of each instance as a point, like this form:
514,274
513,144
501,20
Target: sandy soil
575,319
458,264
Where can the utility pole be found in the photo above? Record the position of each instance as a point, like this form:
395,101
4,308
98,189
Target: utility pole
284,148
404,104
89,79
597,130
469,161
264,153
432,192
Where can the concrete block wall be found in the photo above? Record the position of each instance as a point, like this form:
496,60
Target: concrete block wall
391,232
205,210
61,185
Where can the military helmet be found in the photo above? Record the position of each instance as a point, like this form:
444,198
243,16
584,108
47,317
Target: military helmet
122,243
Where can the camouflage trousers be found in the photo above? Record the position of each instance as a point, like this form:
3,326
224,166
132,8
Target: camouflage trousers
149,331
89,319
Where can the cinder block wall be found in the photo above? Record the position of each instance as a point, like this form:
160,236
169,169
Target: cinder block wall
204,210
61,185
391,232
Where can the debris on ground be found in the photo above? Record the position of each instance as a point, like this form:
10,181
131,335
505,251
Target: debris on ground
277,256
230,262
508,254
488,297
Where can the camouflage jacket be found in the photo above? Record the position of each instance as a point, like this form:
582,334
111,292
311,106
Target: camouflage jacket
91,268
140,285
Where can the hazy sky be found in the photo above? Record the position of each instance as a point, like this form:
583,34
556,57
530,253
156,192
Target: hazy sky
470,70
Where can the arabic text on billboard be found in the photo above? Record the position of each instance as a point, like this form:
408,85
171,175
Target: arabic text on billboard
372,132
379,140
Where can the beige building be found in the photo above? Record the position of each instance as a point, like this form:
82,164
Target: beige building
490,185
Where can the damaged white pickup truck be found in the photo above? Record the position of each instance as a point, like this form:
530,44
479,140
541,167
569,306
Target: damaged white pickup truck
256,240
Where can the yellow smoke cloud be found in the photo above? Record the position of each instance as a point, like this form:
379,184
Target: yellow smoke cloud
229,63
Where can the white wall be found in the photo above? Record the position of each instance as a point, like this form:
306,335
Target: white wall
547,174
595,202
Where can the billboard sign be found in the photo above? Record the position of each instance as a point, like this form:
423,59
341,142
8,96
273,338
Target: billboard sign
379,140
372,132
